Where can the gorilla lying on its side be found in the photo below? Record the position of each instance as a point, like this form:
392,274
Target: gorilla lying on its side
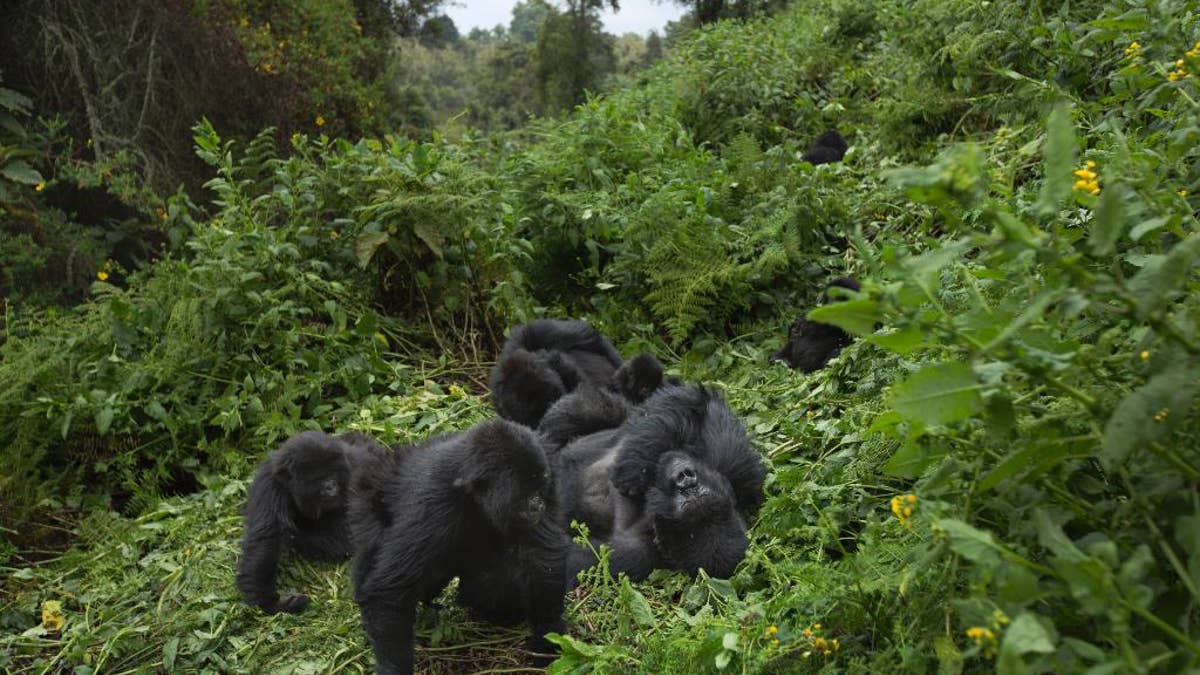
811,344
298,502
479,505
543,360
682,461
830,147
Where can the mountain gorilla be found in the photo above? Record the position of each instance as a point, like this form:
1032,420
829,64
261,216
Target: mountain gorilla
543,360
830,147
298,502
812,344
479,505
662,488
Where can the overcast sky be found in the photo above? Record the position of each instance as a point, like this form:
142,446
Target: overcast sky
636,16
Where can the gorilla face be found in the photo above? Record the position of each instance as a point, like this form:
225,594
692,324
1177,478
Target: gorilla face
318,476
509,479
696,524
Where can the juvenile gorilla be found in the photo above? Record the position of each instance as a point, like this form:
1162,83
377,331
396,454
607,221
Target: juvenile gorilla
830,147
297,502
479,505
683,513
812,344
543,360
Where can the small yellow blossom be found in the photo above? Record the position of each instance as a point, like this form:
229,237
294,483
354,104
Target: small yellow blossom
775,642
320,120
268,68
1194,52
1161,415
773,630
102,275
162,215
52,615
1182,193
1133,50
1088,179
1144,355
980,634
39,187
903,507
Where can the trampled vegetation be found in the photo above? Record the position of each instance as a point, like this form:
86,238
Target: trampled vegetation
1001,473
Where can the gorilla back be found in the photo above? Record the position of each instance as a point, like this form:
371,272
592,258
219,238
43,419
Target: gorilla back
479,505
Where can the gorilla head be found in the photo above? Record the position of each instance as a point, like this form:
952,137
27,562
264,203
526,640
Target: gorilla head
316,471
811,344
693,516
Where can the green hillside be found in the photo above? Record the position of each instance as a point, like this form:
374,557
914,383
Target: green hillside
1002,473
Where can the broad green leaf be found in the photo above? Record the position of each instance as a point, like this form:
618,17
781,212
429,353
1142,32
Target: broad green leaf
976,545
853,316
1033,311
1052,537
1058,160
104,420
1109,219
431,236
938,394
1149,413
1030,462
637,605
950,659
366,245
901,341
20,172
911,460
1147,226
1153,285
14,101
1026,634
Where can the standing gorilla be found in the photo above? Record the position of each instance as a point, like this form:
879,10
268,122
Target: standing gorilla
545,359
662,489
830,147
479,505
298,502
812,344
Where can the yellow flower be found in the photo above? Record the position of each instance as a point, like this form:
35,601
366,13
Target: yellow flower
162,215
1087,179
320,120
1182,193
52,615
268,68
39,187
1133,49
1144,355
772,630
1085,174
980,634
775,642
1161,415
903,507
102,275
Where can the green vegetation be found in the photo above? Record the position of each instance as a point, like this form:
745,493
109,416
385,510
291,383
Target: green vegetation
1000,474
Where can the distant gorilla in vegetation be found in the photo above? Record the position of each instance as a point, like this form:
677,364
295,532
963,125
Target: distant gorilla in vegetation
545,359
681,459
829,148
297,502
811,344
480,505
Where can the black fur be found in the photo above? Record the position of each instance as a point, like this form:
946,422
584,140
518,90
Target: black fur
830,147
695,421
480,505
812,344
546,359
684,514
297,502
582,412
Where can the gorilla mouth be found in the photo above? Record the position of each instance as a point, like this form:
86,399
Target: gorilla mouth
533,510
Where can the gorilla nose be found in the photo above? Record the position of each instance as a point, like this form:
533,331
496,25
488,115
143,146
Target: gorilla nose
686,478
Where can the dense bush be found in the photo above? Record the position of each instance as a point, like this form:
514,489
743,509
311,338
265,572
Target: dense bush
1000,474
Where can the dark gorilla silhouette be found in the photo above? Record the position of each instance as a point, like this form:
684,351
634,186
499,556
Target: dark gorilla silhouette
830,147
297,502
543,360
811,344
685,514
479,505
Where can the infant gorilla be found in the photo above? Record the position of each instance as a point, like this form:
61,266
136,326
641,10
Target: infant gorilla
665,488
812,344
479,505
298,502
545,359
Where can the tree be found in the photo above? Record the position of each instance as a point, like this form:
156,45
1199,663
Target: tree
527,19
573,53
654,49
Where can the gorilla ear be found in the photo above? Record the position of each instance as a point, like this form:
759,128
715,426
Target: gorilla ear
471,482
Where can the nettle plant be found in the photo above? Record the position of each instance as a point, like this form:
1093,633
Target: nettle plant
1049,420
